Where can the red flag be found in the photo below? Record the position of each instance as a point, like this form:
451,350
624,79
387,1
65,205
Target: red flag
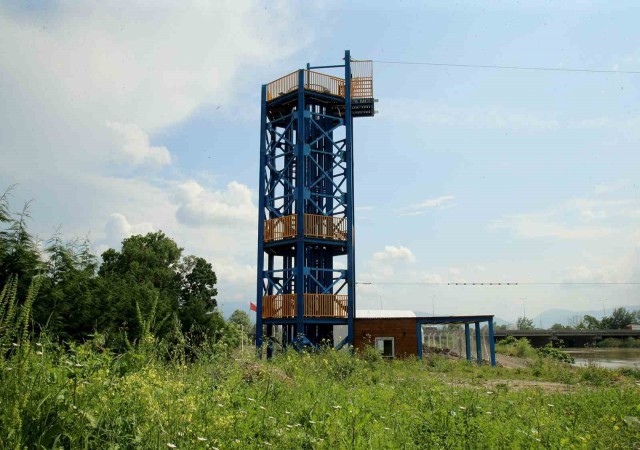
253,307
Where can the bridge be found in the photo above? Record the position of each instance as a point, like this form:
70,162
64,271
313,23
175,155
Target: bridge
571,338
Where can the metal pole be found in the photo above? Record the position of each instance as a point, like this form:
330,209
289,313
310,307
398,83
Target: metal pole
478,343
300,194
261,217
467,338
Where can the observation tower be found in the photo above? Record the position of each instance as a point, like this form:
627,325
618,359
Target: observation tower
306,256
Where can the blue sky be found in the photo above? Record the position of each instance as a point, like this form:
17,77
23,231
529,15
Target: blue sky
124,118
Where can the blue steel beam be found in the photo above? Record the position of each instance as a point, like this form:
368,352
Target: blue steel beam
478,343
492,344
467,340
261,215
351,261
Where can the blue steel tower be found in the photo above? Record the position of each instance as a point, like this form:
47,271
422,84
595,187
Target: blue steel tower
306,260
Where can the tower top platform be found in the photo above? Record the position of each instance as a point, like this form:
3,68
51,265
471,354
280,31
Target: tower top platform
328,89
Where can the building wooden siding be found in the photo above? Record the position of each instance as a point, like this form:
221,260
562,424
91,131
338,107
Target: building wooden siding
403,330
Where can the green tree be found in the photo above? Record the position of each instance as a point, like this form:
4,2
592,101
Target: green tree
145,267
619,319
590,323
558,326
241,318
197,294
524,324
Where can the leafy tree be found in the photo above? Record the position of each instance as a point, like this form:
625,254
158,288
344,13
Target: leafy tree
524,324
197,293
241,318
19,254
618,319
145,267
559,326
590,323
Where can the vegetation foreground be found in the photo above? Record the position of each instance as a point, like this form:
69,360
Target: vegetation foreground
151,397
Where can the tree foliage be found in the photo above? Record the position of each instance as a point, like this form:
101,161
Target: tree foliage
80,296
524,324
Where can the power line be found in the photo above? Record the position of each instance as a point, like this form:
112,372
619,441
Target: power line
492,283
490,66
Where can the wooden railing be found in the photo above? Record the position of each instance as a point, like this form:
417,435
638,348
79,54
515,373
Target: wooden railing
283,306
315,225
325,227
325,305
279,306
280,228
361,87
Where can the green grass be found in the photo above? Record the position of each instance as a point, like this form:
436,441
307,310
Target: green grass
85,396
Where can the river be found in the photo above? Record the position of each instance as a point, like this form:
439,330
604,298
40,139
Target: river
612,358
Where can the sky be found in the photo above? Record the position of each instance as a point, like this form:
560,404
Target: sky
120,118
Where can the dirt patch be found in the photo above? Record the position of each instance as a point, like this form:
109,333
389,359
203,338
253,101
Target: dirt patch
511,362
514,385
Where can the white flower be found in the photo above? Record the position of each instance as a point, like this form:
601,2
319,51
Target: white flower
462,407
78,365
337,407
39,353
489,412
453,413
251,399
170,445
38,344
220,405
201,439
489,392
550,405
267,443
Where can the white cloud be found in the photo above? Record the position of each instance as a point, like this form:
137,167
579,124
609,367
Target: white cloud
118,228
233,206
393,253
93,84
136,147
418,209
543,225
604,188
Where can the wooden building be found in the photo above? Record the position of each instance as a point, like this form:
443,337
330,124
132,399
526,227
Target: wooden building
399,334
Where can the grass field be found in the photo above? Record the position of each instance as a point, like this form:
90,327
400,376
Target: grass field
86,397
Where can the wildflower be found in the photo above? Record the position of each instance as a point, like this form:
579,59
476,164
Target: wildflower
38,344
267,443
312,422
462,407
14,344
251,399
289,426
337,407
453,413
550,405
489,392
287,412
201,439
39,353
170,445
78,365
387,428
220,405
263,408
489,412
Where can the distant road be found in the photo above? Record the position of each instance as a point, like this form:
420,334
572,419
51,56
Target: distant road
571,338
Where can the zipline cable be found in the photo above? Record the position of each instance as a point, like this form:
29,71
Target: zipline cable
490,66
